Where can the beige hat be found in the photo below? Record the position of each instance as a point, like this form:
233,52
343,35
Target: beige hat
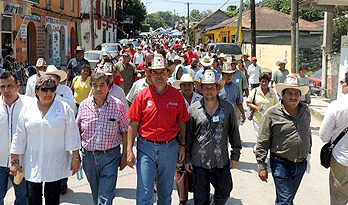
281,61
291,81
227,68
41,62
158,62
206,61
181,59
209,78
79,48
222,55
185,78
53,70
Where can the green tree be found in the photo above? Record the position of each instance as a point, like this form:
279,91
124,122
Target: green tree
156,21
137,9
233,10
196,15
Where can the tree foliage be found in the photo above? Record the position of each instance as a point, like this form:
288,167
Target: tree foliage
233,10
138,10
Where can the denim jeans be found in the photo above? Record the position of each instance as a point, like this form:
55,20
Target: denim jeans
155,163
20,190
101,172
221,180
51,193
287,177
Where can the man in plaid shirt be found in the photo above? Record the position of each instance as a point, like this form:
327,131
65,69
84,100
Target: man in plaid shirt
103,126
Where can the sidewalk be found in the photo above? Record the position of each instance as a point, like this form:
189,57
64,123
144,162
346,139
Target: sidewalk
318,107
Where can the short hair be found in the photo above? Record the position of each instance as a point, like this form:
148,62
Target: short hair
8,74
83,66
265,76
303,68
98,76
346,77
47,80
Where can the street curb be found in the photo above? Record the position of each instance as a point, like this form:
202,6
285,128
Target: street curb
316,114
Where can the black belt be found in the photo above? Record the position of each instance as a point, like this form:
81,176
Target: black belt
159,142
98,152
290,160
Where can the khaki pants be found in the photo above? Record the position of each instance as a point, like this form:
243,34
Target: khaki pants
338,179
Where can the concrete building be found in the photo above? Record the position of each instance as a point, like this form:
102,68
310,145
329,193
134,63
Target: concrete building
106,14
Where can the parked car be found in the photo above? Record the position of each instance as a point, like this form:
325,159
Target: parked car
127,41
93,57
315,81
112,48
226,48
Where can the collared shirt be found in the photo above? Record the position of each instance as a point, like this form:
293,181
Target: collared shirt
102,128
8,123
284,135
139,57
117,92
159,115
189,57
195,97
334,122
231,93
208,136
265,101
46,141
279,76
254,73
239,78
30,89
305,81
81,89
67,95
75,66
128,73
137,86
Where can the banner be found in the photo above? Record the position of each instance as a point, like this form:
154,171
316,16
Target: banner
9,7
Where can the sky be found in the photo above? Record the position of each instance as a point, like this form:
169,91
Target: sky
180,6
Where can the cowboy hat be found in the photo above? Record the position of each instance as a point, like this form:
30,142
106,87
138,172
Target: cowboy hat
245,54
181,59
206,61
210,78
185,78
41,63
227,68
291,81
281,61
53,70
79,48
158,62
222,55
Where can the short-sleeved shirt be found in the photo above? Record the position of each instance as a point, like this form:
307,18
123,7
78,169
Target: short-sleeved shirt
230,92
267,100
81,89
240,79
189,56
136,88
159,115
75,66
279,76
254,73
128,73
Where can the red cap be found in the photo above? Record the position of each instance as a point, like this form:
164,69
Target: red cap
254,58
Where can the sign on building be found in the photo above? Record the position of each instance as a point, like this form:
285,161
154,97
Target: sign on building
9,7
127,19
23,31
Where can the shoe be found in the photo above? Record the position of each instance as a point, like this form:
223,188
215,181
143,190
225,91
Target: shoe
182,203
63,189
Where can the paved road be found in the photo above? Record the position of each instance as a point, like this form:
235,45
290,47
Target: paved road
247,189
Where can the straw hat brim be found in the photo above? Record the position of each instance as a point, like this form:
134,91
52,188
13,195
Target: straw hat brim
177,83
280,62
221,83
60,73
281,86
181,59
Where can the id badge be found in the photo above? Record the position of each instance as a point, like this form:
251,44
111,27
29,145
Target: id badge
216,119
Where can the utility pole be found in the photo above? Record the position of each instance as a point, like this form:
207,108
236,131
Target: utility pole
294,21
239,22
91,20
253,27
327,51
173,19
188,21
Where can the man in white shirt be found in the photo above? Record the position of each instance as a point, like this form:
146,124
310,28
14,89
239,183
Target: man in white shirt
138,57
40,66
254,71
334,122
11,104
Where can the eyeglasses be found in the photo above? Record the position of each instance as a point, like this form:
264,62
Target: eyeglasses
51,89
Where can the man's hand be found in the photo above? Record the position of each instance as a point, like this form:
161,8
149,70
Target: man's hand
130,158
181,154
75,165
233,164
243,116
14,168
263,174
123,162
189,167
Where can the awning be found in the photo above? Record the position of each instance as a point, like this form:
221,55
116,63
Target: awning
15,8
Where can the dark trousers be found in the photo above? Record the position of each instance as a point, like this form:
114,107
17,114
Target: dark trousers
51,193
184,182
287,178
254,85
221,180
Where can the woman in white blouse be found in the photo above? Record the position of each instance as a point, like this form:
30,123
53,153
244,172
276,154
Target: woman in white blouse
46,134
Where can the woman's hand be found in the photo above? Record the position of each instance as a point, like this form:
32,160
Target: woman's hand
14,168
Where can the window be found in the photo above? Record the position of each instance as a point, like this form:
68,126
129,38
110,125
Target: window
103,9
62,4
48,2
6,32
6,23
72,5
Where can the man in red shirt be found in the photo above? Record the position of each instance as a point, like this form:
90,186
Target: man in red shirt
130,49
158,114
190,54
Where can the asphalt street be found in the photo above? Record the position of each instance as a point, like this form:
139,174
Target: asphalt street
248,189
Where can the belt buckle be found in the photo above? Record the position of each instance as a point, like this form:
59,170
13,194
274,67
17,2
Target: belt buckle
295,160
156,143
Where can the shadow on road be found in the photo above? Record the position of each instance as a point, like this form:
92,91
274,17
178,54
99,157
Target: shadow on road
77,198
231,201
126,193
248,144
247,166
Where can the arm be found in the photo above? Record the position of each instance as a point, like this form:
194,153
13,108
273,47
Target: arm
263,142
132,133
234,139
327,125
182,142
241,109
191,129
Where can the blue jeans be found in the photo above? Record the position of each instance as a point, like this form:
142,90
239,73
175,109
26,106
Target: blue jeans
20,190
101,172
155,163
287,177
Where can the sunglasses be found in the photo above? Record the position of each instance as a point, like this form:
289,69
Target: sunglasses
45,90
342,82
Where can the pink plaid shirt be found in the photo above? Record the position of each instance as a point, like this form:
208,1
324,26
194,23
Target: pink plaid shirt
102,128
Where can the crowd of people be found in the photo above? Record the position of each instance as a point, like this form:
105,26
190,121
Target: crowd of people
182,104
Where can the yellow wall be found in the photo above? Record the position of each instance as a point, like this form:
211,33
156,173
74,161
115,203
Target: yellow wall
267,55
218,38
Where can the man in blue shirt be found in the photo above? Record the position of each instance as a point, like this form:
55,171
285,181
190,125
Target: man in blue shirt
75,64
